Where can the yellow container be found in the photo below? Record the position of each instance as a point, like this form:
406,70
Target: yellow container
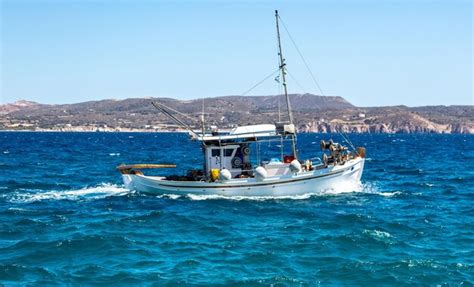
215,174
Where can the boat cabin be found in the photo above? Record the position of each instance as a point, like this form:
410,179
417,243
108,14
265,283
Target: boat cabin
232,150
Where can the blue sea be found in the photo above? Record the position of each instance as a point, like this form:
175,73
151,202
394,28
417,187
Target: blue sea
66,219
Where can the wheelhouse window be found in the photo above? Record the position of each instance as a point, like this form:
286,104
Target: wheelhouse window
228,152
215,152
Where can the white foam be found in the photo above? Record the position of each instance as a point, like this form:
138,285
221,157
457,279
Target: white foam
114,154
96,192
372,188
345,188
389,194
16,209
378,234
243,197
354,187
170,196
106,189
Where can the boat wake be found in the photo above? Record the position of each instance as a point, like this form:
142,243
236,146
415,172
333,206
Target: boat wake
104,190
100,191
243,197
347,188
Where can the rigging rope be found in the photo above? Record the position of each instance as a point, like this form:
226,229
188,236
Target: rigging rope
178,112
346,138
296,81
259,83
163,108
301,56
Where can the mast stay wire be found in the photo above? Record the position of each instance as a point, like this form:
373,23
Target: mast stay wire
178,112
164,109
302,57
259,83
296,81
346,138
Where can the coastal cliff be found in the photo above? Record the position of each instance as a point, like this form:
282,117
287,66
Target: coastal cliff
312,113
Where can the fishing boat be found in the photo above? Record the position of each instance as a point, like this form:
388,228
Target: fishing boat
231,168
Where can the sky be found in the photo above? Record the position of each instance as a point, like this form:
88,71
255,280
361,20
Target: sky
372,53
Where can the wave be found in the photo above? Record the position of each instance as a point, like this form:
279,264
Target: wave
104,190
355,187
373,188
243,197
96,192
377,234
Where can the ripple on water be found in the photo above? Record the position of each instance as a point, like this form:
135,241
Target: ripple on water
65,218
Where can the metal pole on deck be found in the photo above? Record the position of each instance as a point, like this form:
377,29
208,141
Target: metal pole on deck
283,74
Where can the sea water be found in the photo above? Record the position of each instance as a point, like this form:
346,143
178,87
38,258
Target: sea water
66,219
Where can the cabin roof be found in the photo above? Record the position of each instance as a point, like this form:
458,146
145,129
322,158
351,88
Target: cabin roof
243,132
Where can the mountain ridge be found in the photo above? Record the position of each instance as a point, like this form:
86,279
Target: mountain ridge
312,113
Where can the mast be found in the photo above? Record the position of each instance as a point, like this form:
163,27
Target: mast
202,118
283,75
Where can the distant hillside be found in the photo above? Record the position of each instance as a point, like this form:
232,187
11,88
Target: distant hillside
17,106
312,114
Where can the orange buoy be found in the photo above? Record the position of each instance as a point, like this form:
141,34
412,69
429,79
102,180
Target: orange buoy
361,151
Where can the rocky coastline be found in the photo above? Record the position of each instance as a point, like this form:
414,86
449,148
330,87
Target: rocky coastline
312,113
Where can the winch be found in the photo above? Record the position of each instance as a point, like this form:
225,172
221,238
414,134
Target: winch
338,153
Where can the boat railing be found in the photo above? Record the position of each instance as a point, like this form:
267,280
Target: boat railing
317,159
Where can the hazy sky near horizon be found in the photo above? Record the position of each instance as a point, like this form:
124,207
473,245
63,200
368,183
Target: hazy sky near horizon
372,53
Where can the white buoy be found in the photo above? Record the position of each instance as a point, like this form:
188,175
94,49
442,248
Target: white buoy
225,174
260,173
295,166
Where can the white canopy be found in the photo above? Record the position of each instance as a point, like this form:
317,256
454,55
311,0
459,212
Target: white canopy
243,132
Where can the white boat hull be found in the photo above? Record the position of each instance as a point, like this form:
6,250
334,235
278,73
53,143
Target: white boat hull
291,184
